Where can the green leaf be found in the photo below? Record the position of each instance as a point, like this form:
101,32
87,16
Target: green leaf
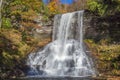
6,23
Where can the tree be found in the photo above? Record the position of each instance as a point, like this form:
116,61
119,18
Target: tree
104,7
1,1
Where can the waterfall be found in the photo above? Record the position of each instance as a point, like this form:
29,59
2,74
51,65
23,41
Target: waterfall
65,55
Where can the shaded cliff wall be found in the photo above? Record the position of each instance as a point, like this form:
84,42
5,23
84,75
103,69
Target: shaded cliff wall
97,28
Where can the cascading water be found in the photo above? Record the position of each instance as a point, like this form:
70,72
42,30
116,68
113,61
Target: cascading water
65,55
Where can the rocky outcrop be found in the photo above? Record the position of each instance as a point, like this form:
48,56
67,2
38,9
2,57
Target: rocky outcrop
105,27
94,27
90,30
44,28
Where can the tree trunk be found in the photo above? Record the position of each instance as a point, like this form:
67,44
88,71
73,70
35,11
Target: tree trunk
1,1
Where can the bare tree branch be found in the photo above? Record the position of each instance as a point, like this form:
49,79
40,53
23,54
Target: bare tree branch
1,1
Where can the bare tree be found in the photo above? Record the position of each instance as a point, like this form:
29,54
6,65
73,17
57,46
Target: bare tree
1,1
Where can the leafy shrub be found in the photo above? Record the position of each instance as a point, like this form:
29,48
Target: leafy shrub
6,22
104,7
107,56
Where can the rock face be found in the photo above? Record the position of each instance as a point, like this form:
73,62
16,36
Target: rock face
44,29
97,28
89,30
94,27
43,32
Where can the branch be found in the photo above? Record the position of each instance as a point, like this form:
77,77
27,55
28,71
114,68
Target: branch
1,1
